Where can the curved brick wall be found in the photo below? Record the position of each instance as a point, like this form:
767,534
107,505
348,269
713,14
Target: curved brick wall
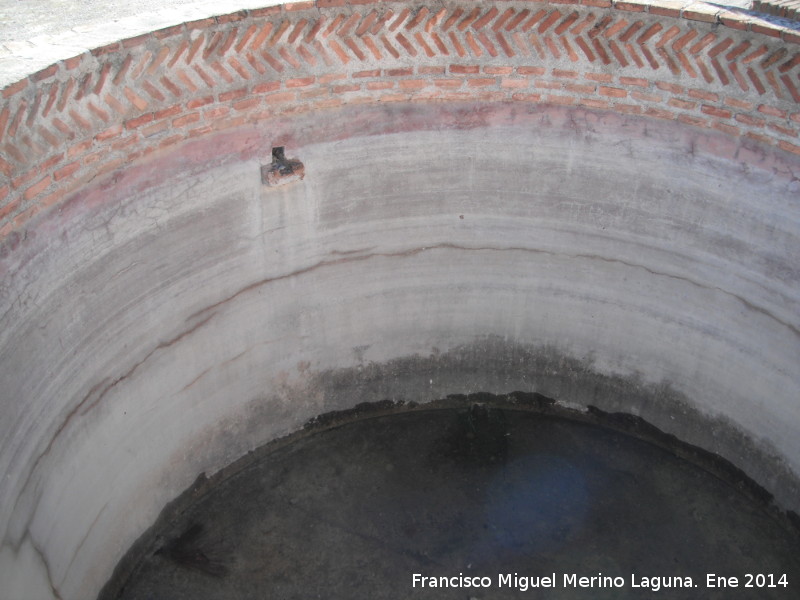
88,115
710,97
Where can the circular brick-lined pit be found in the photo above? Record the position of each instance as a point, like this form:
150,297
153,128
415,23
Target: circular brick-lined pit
595,202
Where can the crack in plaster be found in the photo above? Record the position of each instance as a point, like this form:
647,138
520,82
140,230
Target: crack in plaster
83,540
45,563
450,246
82,408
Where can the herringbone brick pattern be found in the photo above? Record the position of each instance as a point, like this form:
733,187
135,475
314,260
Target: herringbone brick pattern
120,101
789,9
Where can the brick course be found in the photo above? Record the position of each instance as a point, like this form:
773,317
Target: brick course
101,110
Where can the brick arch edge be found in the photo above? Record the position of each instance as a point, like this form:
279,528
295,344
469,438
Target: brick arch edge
86,117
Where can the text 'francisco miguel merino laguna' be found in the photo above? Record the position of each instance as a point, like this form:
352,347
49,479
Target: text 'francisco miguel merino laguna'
567,580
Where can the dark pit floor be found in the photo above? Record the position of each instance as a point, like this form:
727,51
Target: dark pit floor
357,510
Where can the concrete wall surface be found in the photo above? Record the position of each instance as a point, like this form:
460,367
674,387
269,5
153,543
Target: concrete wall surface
617,235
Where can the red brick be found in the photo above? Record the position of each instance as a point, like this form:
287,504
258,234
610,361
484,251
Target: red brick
245,104
239,15
51,162
631,109
659,114
167,112
236,94
612,92
300,82
715,112
448,83
25,216
770,30
637,81
155,128
594,103
498,70
343,89
327,103
330,77
684,104
531,70
781,129
186,119
198,102
694,15
121,143
267,87
107,49
703,95
71,63
564,74
750,120
200,131
220,111
96,156
669,87
566,100
578,88
431,70
167,32
280,97
37,187
45,73
510,82
526,97
109,133
312,93
789,147
641,96
412,84
725,128
170,141
664,11
393,98
66,170
135,41
630,7
372,73
772,111
601,77
457,96
27,177
14,88
480,81
380,85
400,72
264,12
9,208
764,139
139,121
464,69
695,121
79,148
291,6
736,103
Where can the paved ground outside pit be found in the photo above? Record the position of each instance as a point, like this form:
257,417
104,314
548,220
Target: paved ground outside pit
512,498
